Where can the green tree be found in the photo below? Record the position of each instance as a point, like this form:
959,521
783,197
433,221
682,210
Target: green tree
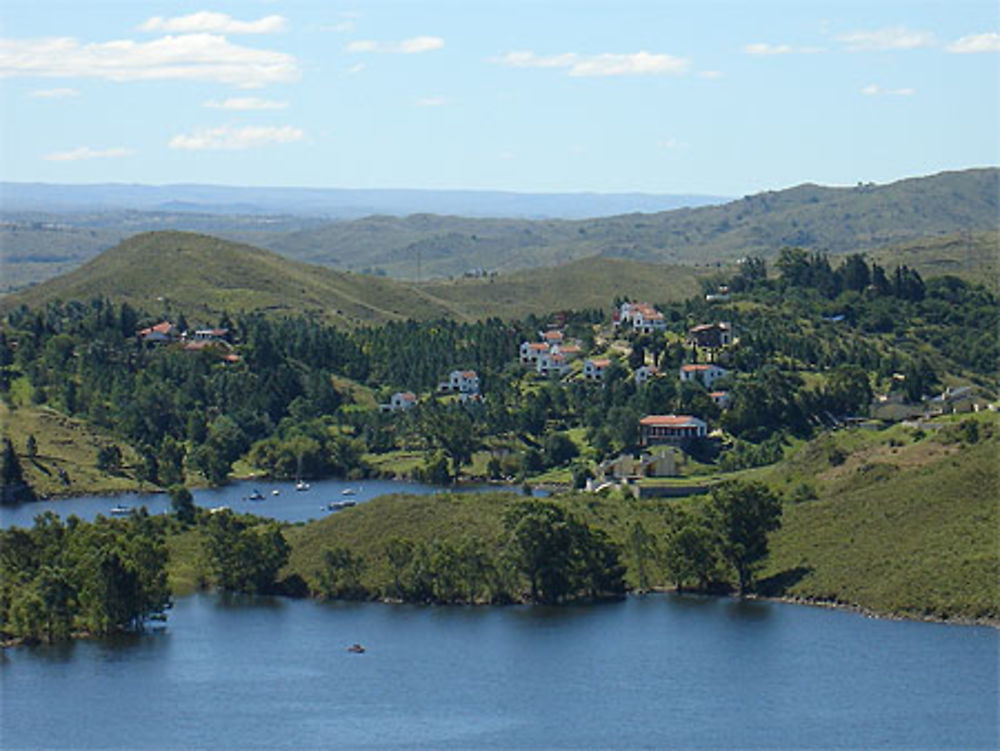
742,514
13,487
340,576
690,552
182,503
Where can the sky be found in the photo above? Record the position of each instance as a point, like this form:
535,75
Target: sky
657,96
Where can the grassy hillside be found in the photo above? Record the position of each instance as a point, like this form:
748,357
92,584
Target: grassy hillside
836,220
922,540
586,283
202,275
973,256
904,525
66,444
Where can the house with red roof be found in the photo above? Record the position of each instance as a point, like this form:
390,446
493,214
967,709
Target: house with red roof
706,374
461,382
595,368
162,333
399,402
674,430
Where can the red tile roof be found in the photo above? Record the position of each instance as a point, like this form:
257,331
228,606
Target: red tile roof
670,421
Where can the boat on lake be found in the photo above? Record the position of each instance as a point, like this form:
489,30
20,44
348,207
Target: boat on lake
256,495
338,505
348,491
302,485
121,509
275,492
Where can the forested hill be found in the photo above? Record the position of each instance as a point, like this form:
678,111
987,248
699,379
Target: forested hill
164,271
835,220
204,275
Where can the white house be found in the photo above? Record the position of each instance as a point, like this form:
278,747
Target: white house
594,369
531,351
706,374
642,316
644,373
400,401
462,382
721,398
552,364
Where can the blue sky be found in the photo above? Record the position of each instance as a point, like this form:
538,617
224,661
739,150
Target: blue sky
712,97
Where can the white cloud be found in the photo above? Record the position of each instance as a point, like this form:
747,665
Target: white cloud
227,138
53,93
219,23
432,101
85,152
245,103
892,38
763,48
873,89
710,73
608,64
988,42
355,69
405,47
195,57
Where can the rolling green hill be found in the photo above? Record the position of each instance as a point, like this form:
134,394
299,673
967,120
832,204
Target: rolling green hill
836,220
202,276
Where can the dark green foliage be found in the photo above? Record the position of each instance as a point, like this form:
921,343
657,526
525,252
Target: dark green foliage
182,503
246,554
742,515
13,488
560,557
100,577
691,552
340,576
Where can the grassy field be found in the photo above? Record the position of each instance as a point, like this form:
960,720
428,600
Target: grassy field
63,443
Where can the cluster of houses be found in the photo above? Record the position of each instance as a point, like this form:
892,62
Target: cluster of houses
197,340
551,355
464,383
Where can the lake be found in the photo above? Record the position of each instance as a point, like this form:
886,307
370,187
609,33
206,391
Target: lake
288,505
659,671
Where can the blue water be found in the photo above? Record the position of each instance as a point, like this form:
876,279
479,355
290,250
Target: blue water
289,505
651,672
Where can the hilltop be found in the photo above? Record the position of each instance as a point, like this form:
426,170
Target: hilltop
204,276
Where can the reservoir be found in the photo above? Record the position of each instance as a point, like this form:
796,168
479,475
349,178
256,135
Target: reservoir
287,505
659,671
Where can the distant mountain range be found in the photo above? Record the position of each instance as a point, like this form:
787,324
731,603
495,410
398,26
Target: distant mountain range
332,203
962,206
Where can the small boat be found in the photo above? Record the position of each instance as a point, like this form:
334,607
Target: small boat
256,495
356,649
348,491
275,492
338,505
302,485
121,509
